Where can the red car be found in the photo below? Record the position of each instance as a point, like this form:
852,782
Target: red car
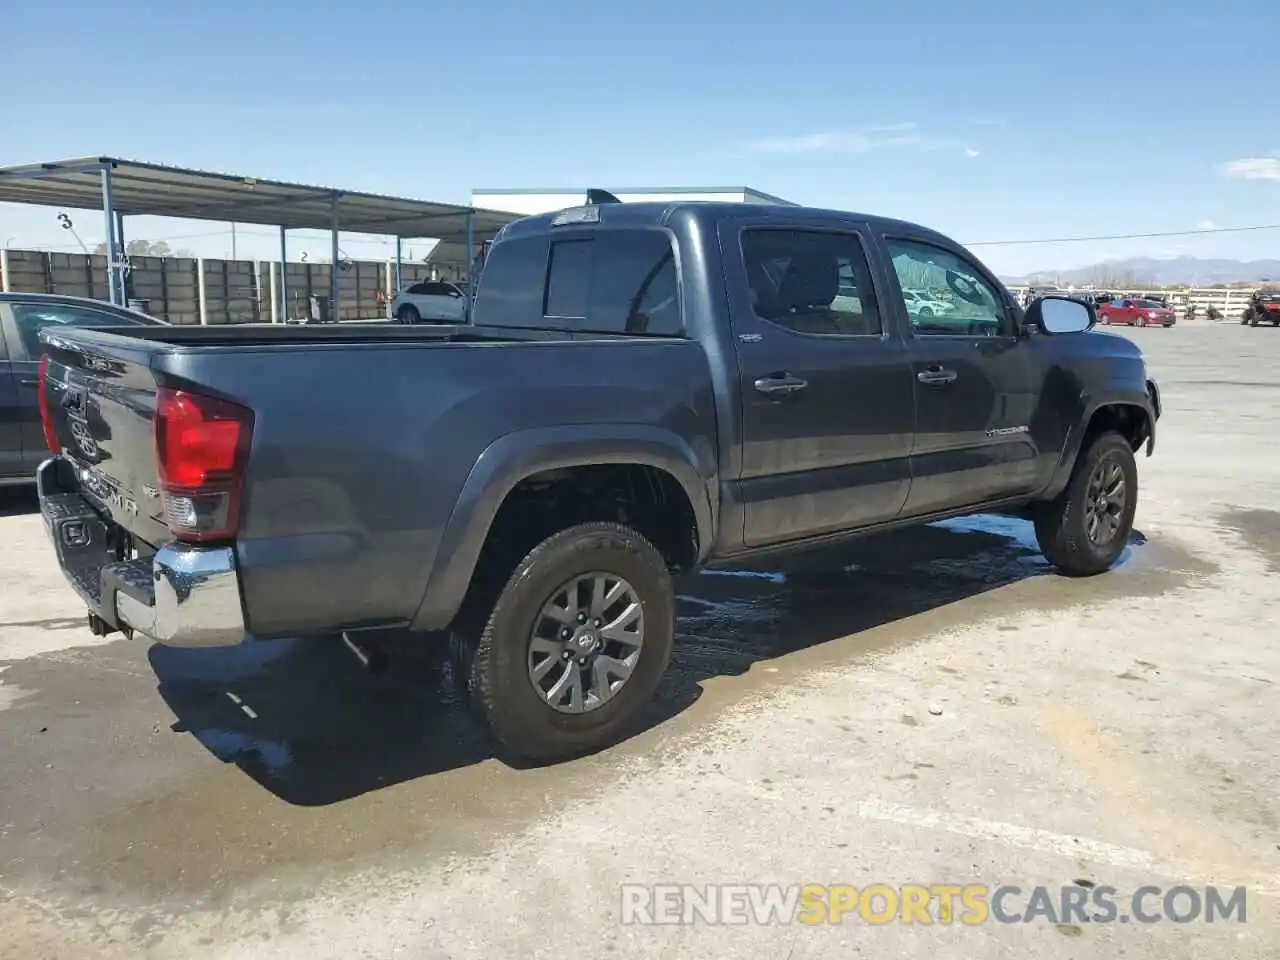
1136,313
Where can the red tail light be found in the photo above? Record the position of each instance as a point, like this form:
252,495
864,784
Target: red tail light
202,445
42,395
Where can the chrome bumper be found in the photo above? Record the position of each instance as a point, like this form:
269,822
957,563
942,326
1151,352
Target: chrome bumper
183,596
195,598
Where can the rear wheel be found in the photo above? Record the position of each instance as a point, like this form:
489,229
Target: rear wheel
1084,530
575,644
408,314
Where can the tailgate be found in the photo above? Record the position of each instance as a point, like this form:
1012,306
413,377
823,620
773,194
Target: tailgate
100,396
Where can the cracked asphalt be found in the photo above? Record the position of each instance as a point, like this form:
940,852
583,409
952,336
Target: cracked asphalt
934,706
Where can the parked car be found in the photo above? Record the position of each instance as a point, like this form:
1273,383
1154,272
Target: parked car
1136,313
1263,307
22,317
431,301
646,388
921,305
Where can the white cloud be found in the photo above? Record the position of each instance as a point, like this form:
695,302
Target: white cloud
1252,168
971,153
1206,225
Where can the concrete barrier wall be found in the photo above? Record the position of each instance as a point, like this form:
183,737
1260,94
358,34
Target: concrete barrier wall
231,291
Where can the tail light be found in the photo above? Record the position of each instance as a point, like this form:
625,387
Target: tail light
42,395
202,446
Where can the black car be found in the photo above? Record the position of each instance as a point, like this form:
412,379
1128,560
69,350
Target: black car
22,317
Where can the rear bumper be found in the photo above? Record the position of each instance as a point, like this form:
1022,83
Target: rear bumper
183,596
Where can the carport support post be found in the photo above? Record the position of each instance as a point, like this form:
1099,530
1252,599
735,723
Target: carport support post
284,274
124,253
113,250
471,243
399,243
333,260
471,258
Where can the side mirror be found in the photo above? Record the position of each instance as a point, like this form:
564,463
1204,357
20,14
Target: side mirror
1060,315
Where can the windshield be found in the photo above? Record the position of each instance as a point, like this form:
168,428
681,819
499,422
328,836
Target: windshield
1148,304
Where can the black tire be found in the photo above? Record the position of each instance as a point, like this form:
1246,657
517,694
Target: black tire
1062,524
926,311
408,314
493,662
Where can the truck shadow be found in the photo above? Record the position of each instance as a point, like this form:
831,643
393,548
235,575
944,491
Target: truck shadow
17,501
308,724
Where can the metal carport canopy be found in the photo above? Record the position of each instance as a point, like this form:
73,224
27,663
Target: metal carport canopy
131,188
139,189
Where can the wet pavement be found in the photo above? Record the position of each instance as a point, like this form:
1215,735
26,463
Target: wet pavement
194,802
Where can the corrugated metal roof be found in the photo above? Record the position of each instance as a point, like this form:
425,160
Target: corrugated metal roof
153,190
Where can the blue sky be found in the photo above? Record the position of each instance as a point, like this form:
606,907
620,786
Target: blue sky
989,120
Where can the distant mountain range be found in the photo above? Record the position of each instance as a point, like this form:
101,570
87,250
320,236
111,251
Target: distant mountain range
1146,270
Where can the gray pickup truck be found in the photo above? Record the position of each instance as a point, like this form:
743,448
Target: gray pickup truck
645,388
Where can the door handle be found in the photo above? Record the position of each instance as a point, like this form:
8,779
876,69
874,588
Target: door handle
780,384
30,381
936,376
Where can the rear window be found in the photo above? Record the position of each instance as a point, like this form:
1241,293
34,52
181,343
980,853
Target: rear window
621,281
511,284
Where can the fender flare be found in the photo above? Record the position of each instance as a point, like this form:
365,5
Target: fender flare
516,456
1148,403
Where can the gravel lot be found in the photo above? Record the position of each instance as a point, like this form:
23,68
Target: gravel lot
932,707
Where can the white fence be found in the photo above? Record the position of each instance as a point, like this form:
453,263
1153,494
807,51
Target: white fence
1229,302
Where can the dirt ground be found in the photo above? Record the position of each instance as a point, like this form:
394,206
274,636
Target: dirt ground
931,707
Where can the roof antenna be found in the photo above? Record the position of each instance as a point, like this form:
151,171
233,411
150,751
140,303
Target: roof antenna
597,196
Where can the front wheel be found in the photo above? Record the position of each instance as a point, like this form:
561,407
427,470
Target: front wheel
575,645
1084,530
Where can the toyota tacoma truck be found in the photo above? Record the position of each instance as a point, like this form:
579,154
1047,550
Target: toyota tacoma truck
644,388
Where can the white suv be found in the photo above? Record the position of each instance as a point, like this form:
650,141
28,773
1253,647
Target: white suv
919,305
431,302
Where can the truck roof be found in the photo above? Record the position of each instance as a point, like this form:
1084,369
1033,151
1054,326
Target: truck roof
707,213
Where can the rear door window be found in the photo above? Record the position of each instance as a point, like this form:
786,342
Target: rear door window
811,281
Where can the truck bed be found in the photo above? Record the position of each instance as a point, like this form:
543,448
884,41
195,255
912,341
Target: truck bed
338,334
364,441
